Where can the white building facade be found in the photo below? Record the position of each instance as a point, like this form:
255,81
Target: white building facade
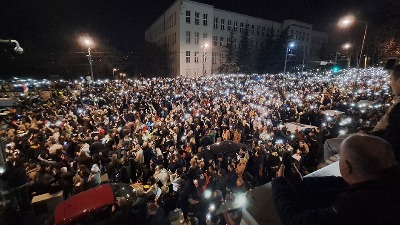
196,35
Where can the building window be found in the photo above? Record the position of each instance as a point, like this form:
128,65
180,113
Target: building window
221,58
221,41
222,24
241,28
175,38
188,72
196,18
234,42
205,23
215,40
228,41
196,37
187,37
263,31
188,56
252,29
229,24
196,57
187,16
235,26
214,57
258,30
196,72
215,23
205,56
204,37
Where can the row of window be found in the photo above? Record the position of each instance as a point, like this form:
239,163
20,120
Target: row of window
171,21
196,37
196,72
204,57
300,35
196,18
253,30
170,39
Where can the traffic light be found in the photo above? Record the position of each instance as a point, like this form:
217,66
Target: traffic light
335,69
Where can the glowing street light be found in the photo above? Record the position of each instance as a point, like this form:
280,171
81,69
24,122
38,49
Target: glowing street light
114,73
289,46
87,42
346,47
205,46
17,48
348,21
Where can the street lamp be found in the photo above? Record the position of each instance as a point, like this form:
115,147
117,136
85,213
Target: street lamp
204,58
114,72
349,20
290,45
87,42
17,48
346,47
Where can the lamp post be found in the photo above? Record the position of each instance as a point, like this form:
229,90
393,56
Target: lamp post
204,58
349,20
114,72
347,46
290,45
304,57
87,42
17,48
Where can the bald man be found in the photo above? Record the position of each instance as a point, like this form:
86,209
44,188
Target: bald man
367,193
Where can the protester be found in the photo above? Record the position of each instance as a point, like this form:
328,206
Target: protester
156,131
371,174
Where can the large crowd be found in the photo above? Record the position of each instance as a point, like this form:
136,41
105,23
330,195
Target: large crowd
156,132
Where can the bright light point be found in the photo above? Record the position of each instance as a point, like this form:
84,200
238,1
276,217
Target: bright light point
291,45
347,46
212,207
86,41
241,200
346,21
208,217
2,169
207,194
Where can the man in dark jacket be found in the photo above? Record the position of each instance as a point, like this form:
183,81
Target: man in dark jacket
389,125
368,166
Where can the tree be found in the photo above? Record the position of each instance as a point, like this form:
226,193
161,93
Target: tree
229,66
244,54
266,53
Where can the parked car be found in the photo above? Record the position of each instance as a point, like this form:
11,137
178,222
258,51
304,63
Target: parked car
92,206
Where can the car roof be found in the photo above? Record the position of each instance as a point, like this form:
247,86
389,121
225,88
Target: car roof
83,203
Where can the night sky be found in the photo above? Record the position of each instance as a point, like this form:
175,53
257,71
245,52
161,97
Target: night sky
44,26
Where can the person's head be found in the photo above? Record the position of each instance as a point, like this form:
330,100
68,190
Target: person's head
394,79
121,201
239,182
191,221
363,157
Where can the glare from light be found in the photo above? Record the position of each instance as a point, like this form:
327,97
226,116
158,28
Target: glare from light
347,46
212,207
241,200
346,21
207,194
